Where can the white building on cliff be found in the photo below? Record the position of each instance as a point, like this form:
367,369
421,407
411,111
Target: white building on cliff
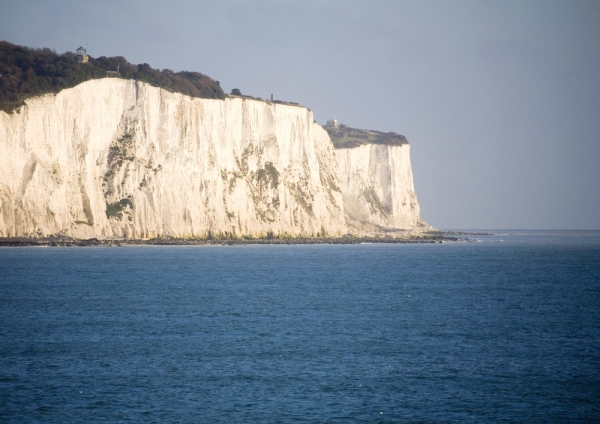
82,57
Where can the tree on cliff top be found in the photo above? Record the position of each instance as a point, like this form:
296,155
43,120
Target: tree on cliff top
26,73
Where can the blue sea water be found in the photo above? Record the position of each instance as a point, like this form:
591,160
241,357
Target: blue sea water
506,329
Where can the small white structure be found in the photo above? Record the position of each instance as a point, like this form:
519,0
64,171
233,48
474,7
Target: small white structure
82,57
333,122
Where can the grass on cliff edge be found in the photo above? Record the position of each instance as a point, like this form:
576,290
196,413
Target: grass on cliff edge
26,73
344,137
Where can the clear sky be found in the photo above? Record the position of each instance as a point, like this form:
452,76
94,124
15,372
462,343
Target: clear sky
499,99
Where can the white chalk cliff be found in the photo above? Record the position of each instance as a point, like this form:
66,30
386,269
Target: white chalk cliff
377,186
118,158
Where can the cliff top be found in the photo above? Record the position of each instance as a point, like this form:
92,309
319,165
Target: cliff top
344,137
26,73
239,95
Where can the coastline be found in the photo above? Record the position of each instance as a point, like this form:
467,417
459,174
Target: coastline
63,241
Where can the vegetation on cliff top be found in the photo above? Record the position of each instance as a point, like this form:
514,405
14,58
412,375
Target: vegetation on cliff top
344,137
26,72
237,93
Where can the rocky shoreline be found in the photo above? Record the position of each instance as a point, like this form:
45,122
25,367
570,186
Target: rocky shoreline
64,241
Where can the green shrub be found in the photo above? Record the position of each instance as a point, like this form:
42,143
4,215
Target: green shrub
115,210
345,137
27,73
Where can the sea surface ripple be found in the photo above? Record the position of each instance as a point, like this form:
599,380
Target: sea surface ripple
504,330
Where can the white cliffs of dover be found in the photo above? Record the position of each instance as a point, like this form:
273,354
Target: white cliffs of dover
377,186
117,158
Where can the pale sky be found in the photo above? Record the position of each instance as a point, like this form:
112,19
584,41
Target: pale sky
500,100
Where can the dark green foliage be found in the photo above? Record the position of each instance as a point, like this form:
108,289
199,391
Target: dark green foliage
236,92
115,210
272,173
29,72
269,175
119,150
345,137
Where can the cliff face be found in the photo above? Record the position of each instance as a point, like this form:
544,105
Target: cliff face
377,186
119,158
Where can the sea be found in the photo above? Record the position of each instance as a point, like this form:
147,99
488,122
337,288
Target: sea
503,329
